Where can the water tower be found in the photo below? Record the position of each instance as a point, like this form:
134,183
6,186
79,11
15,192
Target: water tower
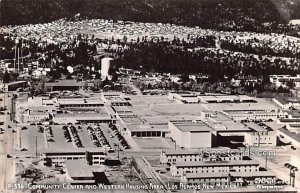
105,65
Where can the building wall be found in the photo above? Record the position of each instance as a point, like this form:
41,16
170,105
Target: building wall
61,159
253,116
173,159
190,139
263,139
178,171
199,139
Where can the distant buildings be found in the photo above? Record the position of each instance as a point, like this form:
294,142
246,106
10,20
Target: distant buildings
258,114
282,80
13,86
71,85
183,97
287,103
226,99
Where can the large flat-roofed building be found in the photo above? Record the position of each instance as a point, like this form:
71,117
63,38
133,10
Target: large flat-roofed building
79,173
191,134
183,97
260,135
123,111
92,116
60,85
147,130
223,124
114,99
59,157
32,115
70,103
258,114
226,99
214,166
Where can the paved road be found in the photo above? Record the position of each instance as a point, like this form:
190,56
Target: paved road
150,177
6,147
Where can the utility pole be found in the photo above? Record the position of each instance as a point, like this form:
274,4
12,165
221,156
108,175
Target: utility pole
118,151
18,59
36,146
175,144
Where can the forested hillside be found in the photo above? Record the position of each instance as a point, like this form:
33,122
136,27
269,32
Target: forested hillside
218,14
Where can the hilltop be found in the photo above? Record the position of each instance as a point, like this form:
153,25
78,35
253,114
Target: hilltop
244,15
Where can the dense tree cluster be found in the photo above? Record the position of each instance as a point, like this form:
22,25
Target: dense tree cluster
220,65
247,15
254,46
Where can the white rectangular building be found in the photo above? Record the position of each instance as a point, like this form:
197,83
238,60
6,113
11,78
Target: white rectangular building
189,134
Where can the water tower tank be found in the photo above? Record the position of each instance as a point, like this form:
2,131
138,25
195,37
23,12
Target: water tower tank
105,65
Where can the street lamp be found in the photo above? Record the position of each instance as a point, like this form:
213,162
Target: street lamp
293,170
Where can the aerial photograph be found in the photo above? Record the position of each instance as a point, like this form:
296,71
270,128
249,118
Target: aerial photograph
149,96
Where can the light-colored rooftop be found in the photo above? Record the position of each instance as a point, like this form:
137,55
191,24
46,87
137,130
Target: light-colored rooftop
78,168
198,126
217,163
226,174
